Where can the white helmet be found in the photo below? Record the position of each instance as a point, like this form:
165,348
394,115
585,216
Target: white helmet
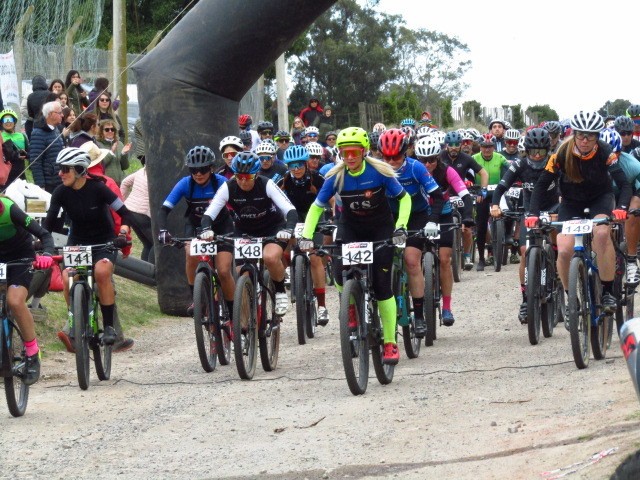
474,133
466,135
439,136
73,157
521,148
314,148
233,141
265,147
587,122
512,134
311,129
379,127
423,132
427,147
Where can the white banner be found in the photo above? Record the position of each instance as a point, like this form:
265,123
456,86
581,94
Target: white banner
9,80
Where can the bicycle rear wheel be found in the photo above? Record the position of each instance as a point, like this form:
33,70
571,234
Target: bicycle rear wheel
553,294
600,333
82,333
354,344
101,352
268,327
430,307
384,373
534,295
579,313
221,323
205,319
245,329
497,242
456,254
299,281
13,352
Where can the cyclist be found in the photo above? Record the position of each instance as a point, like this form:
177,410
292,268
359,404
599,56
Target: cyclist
198,188
229,148
585,167
269,166
408,122
86,205
244,124
283,140
466,168
555,129
16,228
527,171
421,186
495,164
260,209
497,128
624,126
246,139
374,137
428,152
510,150
364,185
265,131
301,186
411,137
633,112
315,156
466,144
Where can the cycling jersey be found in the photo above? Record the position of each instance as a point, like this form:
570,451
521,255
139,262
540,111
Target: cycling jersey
495,167
464,165
450,181
325,168
275,172
634,143
521,171
631,168
511,157
302,196
419,184
256,212
16,228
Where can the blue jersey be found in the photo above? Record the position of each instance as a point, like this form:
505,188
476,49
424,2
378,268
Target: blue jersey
325,168
417,182
197,197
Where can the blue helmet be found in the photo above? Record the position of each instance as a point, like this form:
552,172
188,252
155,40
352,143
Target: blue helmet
245,162
453,137
408,122
295,153
613,138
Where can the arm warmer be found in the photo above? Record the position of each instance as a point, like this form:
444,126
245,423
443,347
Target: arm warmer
310,223
404,210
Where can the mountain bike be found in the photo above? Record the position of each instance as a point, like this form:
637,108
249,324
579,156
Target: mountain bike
497,227
211,317
84,308
404,309
254,314
457,254
13,355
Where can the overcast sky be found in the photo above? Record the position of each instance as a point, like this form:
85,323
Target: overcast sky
570,55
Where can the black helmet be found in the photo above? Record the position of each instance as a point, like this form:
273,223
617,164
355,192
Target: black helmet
374,137
199,157
553,127
623,124
537,138
633,111
245,136
262,126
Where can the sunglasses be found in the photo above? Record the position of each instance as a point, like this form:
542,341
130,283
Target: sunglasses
537,152
266,158
267,132
296,166
395,158
65,168
622,134
512,143
201,170
331,139
229,154
283,140
8,120
591,136
467,142
431,159
453,144
245,177
315,157
105,99
109,129
312,135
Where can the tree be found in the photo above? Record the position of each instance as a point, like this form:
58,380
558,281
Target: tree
538,113
399,103
617,107
472,110
517,121
445,108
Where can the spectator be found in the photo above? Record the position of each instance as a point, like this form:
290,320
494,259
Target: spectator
311,115
136,191
77,96
118,160
46,143
15,143
84,130
68,119
35,101
56,86
327,122
63,98
105,111
296,130
101,85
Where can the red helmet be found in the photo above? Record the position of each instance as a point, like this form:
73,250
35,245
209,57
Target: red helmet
245,120
393,142
487,139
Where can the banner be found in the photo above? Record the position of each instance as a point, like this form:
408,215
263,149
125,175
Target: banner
9,81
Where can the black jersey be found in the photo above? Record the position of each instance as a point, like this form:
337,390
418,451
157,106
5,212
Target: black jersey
463,164
302,193
521,171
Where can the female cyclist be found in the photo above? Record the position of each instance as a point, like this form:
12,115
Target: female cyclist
260,209
364,185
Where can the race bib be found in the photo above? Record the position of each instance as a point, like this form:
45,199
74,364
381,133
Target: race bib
249,248
456,201
201,247
514,192
77,256
297,232
577,227
3,271
357,253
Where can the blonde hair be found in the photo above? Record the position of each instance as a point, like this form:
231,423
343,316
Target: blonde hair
568,161
339,170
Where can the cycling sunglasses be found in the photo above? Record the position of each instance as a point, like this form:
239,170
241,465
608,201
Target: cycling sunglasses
296,165
201,170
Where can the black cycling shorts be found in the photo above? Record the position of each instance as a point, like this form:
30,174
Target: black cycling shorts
602,205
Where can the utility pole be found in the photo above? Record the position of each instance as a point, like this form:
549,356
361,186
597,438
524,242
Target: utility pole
281,84
119,52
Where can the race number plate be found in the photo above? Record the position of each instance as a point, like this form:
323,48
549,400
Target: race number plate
297,232
577,227
357,253
3,271
77,256
200,247
250,248
514,192
456,201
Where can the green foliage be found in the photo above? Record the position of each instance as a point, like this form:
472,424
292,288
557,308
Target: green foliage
542,112
617,107
399,103
447,118
472,110
517,120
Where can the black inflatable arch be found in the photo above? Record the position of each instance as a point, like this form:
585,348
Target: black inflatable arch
190,86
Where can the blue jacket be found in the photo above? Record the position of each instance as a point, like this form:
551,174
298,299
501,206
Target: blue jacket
44,169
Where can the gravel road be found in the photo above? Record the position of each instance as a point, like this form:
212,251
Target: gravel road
482,403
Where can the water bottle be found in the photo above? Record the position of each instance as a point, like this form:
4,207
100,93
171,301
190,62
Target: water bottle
629,337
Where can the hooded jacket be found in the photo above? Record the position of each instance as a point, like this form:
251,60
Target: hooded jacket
37,98
311,116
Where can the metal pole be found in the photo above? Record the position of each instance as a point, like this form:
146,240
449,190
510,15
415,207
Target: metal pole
117,41
281,83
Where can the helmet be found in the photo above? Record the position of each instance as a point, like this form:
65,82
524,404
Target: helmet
439,136
314,148
200,156
613,138
587,122
331,132
464,135
281,135
353,136
507,125
609,121
410,133
296,153
427,147
245,137
537,138
262,126
521,149
486,140
245,120
334,152
379,127
474,133
633,111
408,122
552,127
231,141
622,124
265,147
73,157
8,111
498,120
311,129
245,162
374,137
512,134
393,142
453,137
423,132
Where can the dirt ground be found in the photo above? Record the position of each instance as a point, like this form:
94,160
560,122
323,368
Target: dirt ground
482,403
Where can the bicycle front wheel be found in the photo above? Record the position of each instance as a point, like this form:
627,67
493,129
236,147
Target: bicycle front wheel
534,300
579,313
456,254
101,352
553,294
497,242
354,341
429,306
82,333
221,323
268,328
245,328
204,319
13,351
602,330
299,281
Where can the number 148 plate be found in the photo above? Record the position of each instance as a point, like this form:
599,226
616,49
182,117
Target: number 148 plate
357,253
248,248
